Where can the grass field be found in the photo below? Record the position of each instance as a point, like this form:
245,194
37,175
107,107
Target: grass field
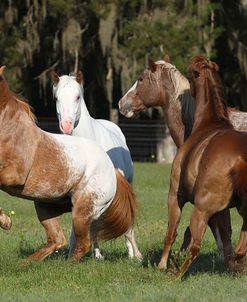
117,278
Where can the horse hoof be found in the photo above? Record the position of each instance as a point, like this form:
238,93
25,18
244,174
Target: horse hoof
99,257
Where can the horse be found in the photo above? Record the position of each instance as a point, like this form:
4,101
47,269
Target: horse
161,84
61,173
210,168
74,118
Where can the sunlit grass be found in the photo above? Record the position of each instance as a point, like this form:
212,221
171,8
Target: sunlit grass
117,278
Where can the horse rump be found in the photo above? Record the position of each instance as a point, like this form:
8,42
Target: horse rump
120,215
238,176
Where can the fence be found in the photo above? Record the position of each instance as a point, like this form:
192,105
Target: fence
147,140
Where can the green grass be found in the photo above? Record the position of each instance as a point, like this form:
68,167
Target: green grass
117,278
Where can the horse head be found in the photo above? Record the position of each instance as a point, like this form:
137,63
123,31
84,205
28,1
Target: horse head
198,69
207,88
149,89
68,94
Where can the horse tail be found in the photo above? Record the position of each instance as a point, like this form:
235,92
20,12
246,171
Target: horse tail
120,215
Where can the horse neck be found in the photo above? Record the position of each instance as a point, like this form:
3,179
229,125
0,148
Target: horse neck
210,109
85,126
179,113
13,114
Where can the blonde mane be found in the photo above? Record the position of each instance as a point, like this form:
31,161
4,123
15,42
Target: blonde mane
179,82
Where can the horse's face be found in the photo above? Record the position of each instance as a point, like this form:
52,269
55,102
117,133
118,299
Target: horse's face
145,93
68,93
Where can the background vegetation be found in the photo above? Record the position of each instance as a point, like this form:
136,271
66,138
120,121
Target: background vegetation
111,42
116,278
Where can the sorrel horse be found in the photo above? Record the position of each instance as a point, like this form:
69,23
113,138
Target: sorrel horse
61,173
163,85
210,168
75,119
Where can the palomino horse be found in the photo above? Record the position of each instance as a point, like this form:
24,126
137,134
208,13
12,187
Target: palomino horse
210,168
164,86
75,119
61,173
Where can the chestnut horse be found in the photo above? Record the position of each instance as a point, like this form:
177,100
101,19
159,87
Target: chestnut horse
61,173
210,168
163,85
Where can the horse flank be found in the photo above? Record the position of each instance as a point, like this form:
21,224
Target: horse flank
120,215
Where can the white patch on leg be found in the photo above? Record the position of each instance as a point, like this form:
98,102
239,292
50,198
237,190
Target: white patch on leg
133,250
130,248
98,255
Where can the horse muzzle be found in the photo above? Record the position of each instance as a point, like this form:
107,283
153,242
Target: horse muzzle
66,127
125,108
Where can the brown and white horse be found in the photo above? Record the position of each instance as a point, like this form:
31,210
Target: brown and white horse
161,84
210,168
61,173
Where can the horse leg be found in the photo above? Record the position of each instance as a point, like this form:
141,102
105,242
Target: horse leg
133,250
239,261
48,217
220,225
198,225
96,249
174,214
81,215
5,221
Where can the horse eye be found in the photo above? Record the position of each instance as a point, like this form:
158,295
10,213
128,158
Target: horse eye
55,98
140,79
78,98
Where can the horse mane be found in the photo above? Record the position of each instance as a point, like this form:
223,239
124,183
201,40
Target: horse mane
181,93
210,72
23,105
7,95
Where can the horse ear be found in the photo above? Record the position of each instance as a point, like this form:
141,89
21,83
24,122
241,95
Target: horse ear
55,78
80,77
166,58
152,65
214,66
2,69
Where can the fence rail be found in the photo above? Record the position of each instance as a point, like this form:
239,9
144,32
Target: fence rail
142,136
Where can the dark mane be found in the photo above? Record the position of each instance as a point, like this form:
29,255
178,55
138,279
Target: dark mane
188,112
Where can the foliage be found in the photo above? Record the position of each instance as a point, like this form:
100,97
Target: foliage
174,32
32,37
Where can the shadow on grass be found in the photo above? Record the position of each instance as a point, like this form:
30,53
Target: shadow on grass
112,256
205,263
